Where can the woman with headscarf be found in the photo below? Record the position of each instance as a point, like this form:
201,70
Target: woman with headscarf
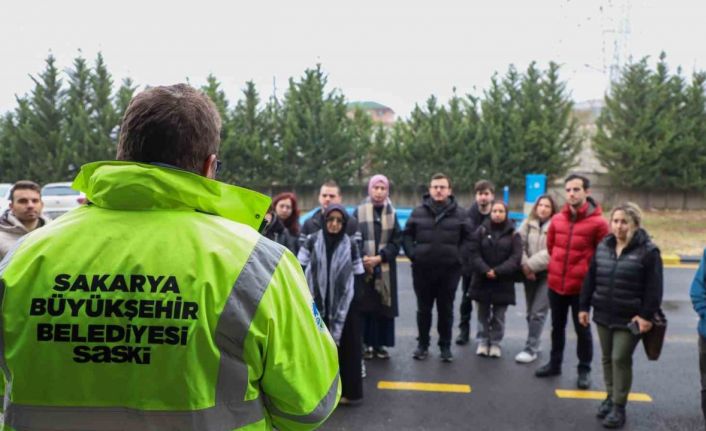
382,237
624,287
496,253
332,260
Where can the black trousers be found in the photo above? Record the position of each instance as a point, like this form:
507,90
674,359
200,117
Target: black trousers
350,355
466,307
560,305
435,284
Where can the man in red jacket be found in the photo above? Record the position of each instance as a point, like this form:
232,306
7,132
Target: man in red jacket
573,236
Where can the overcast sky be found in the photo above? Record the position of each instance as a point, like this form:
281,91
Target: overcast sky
393,52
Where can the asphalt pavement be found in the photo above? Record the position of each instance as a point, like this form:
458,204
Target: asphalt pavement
499,394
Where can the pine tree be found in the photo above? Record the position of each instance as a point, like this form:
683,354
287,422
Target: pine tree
41,144
104,116
316,141
647,128
77,125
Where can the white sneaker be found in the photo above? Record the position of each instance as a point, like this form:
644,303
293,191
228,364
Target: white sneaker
482,350
525,357
495,351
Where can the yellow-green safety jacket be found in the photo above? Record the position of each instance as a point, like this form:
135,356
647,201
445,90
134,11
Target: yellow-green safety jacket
159,307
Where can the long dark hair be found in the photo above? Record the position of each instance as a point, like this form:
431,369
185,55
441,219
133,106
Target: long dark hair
292,223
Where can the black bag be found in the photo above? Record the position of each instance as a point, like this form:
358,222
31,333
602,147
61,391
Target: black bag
653,340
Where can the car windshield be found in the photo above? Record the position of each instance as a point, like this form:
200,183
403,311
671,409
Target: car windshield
59,191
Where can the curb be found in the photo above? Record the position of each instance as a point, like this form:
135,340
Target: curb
690,259
676,259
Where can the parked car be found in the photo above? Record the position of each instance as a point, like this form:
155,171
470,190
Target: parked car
4,196
60,198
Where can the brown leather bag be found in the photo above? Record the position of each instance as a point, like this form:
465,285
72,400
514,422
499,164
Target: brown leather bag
654,338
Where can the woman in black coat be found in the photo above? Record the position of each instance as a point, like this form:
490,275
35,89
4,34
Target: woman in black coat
624,287
496,254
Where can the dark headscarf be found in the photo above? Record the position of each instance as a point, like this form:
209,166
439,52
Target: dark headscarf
332,240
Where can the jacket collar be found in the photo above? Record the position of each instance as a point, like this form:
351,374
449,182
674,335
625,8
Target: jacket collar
139,187
640,237
588,209
10,223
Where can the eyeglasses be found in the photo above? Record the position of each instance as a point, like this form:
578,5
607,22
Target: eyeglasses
338,220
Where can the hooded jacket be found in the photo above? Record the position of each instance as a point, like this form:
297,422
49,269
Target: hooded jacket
159,306
571,241
11,229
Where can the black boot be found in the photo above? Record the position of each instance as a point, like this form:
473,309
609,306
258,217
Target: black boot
605,408
548,370
616,417
463,337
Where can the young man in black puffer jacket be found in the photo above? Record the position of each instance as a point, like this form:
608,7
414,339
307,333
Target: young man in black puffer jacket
435,237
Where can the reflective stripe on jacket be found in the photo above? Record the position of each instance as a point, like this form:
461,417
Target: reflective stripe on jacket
159,307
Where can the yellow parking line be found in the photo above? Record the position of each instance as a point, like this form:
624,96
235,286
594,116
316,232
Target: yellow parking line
427,387
599,395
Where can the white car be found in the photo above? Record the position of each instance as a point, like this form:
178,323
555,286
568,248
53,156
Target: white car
60,198
4,196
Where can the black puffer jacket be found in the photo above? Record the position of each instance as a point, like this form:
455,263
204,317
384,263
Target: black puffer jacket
476,218
276,231
496,247
437,237
620,288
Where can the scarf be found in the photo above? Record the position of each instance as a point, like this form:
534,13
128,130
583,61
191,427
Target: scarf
366,225
331,284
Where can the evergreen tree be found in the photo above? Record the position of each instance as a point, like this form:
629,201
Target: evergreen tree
316,141
650,131
527,127
122,98
40,144
246,154
77,125
104,116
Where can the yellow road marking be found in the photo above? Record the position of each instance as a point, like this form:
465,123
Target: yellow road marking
428,387
599,395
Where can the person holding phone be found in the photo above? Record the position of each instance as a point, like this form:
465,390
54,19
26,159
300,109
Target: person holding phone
624,287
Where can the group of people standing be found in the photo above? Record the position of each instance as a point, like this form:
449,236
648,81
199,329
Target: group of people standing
568,259
350,266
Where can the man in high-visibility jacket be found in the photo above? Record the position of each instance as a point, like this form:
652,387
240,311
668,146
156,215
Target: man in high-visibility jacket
158,306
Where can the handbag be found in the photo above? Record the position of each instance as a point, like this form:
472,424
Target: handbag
653,339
